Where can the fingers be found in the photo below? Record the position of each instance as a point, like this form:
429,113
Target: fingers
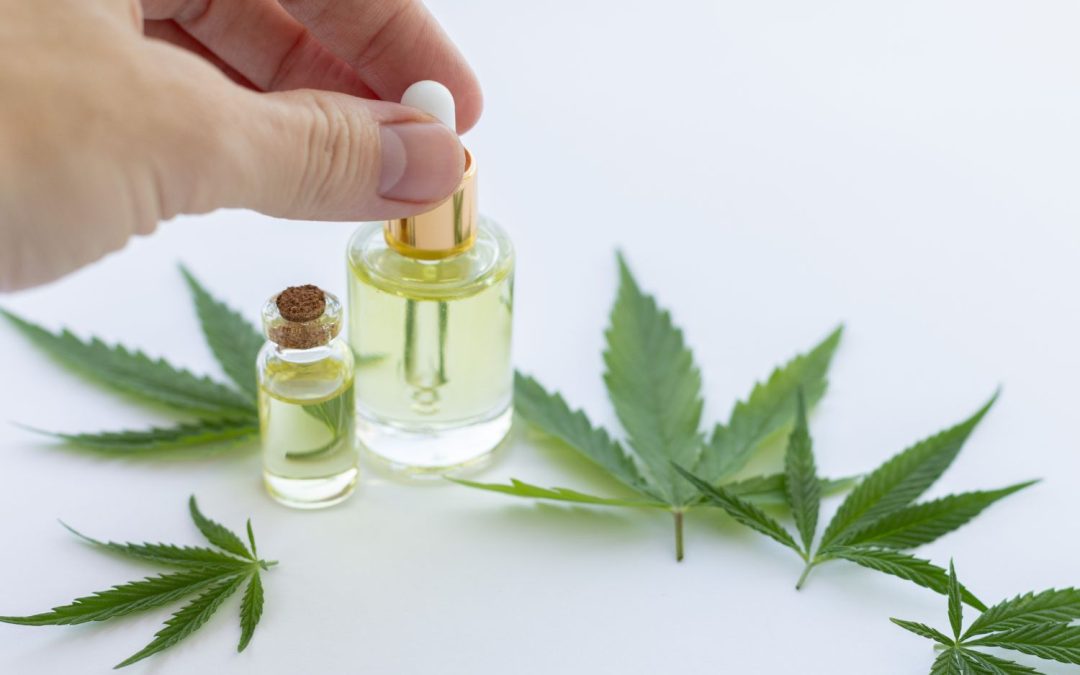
311,153
391,44
367,48
321,155
262,42
172,33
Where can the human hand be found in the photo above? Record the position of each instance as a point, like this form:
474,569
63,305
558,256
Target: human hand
263,104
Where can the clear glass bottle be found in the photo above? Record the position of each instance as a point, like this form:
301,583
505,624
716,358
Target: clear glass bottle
306,409
430,309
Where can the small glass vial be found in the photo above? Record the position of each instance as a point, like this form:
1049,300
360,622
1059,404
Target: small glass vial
306,410
430,309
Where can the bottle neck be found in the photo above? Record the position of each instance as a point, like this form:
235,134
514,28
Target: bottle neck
309,355
446,230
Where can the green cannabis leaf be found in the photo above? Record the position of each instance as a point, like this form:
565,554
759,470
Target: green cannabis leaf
877,520
337,414
1033,623
135,373
227,416
211,574
205,433
655,388
233,340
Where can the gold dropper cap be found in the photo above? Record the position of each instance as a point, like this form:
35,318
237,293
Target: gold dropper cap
446,230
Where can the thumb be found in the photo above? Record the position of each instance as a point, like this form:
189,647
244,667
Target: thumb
329,156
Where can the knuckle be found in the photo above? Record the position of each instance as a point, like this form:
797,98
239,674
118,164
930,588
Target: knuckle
335,151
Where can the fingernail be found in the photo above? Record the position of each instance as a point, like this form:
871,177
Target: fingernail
421,161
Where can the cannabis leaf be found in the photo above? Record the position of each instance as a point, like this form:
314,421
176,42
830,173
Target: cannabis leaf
136,373
211,574
1033,623
234,341
337,414
877,519
227,416
655,388
204,433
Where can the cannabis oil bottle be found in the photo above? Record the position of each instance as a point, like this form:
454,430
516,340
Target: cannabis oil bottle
306,407
430,306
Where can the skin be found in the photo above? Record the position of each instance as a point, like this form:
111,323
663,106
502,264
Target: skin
118,114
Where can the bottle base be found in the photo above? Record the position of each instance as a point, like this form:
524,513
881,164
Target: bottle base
433,453
311,493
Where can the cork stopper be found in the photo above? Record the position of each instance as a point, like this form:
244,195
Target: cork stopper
301,303
302,317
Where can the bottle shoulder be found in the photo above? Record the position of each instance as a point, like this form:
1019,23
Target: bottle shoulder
489,261
306,375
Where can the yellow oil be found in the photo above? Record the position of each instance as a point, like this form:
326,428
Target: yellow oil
306,416
435,380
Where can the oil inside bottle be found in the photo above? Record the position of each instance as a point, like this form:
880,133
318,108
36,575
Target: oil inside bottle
306,412
434,378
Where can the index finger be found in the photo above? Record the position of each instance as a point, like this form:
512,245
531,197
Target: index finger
391,44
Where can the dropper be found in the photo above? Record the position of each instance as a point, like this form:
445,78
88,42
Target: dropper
450,227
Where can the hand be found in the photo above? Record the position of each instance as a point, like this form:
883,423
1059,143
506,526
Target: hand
115,115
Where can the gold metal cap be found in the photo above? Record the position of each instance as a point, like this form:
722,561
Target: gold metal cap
446,230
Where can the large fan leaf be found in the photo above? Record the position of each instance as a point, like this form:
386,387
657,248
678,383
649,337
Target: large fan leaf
518,488
217,534
1050,606
234,341
208,434
988,664
250,610
899,481
768,410
925,631
130,597
655,387
550,413
742,511
1056,641
916,570
922,523
167,554
802,485
187,619
135,373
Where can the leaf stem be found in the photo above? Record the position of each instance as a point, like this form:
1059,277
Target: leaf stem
806,572
267,564
678,535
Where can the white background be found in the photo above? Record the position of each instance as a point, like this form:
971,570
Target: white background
770,169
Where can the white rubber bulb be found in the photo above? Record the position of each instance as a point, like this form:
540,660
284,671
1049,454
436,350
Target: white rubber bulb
433,98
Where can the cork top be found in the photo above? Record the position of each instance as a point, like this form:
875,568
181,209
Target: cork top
302,317
301,303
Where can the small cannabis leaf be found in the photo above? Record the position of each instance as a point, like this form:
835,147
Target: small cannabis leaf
877,520
227,416
655,388
337,414
1033,623
209,573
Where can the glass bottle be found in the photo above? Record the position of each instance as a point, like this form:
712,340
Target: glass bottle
306,410
430,308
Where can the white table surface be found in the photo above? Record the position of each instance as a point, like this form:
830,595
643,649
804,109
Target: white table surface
770,169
